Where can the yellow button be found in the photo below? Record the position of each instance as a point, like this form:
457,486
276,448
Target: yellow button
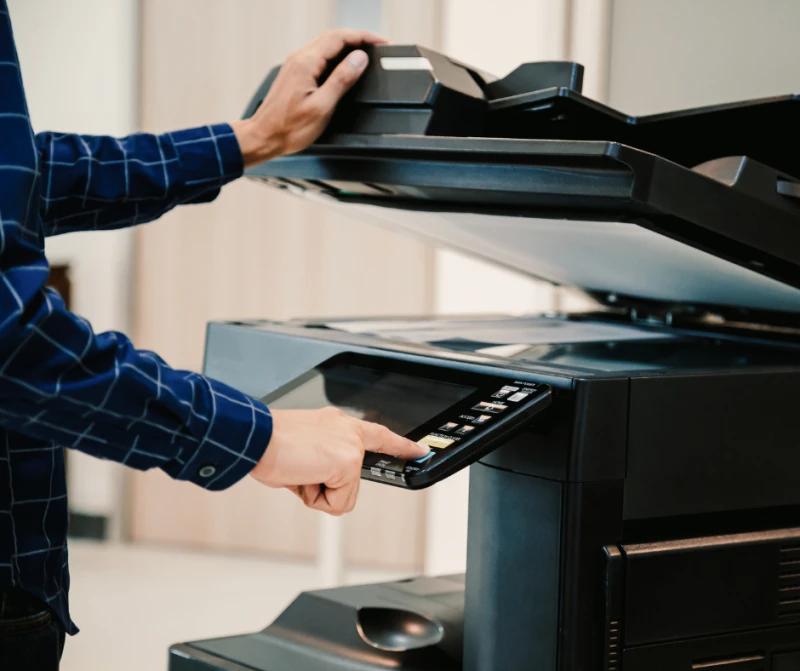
435,441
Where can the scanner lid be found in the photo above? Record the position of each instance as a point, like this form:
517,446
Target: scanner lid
696,207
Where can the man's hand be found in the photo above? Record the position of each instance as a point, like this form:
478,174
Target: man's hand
317,454
297,109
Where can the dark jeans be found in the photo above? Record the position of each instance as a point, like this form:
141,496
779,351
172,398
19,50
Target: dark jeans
31,637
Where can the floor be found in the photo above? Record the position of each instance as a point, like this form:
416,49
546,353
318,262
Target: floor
131,603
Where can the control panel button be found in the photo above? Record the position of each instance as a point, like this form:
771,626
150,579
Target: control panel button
519,396
465,430
392,464
505,391
438,442
491,408
422,460
450,426
481,419
371,459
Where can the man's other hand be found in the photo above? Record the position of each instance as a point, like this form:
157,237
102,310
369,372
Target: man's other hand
317,454
297,109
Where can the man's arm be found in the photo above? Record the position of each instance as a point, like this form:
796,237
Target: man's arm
61,382
103,183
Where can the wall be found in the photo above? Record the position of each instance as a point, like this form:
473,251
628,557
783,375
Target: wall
79,63
684,53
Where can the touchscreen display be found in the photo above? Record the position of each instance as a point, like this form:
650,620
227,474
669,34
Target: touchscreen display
399,402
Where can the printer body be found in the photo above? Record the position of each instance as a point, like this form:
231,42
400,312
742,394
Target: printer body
646,517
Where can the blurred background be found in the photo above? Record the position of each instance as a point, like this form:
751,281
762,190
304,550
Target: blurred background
155,562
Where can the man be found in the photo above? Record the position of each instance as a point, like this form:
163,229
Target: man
63,385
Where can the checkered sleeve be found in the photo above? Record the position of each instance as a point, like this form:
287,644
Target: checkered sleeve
61,382
101,183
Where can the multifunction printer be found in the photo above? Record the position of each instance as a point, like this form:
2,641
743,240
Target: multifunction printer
634,497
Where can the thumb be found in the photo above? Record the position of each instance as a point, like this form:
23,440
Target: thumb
341,80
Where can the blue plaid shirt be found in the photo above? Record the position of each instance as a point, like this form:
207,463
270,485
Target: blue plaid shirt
61,384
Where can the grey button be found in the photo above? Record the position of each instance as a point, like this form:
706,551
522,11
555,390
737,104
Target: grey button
391,464
207,471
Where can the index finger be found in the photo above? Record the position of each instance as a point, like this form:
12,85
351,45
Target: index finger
378,438
331,44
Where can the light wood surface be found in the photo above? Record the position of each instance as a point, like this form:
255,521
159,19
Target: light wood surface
257,253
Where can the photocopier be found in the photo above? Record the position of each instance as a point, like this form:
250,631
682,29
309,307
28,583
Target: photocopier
634,497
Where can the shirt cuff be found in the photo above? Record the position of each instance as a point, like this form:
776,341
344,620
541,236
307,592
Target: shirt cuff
210,157
236,437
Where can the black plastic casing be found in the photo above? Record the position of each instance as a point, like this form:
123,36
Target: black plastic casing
650,519
695,507
613,530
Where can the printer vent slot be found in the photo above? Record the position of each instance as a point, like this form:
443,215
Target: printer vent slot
614,584
789,608
789,582
613,646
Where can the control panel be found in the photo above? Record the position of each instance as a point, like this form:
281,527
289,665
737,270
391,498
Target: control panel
461,415
462,434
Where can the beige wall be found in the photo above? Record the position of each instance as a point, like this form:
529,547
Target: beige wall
684,53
